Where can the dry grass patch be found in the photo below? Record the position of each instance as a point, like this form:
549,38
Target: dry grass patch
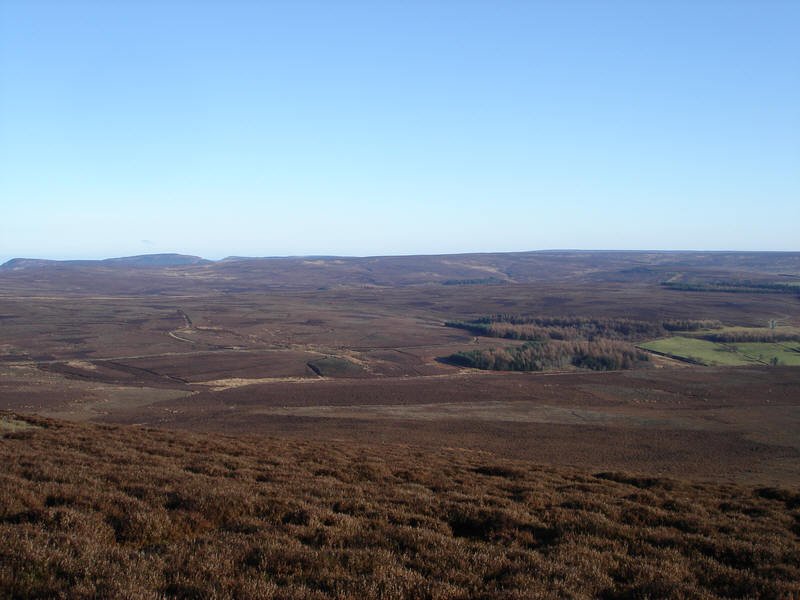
8,424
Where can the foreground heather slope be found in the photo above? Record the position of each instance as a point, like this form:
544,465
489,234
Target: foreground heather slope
91,511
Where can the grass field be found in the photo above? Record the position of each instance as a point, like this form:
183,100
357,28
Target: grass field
718,354
787,353
699,351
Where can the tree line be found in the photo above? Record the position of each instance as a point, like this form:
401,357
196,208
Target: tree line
601,355
519,327
481,281
691,324
749,335
734,287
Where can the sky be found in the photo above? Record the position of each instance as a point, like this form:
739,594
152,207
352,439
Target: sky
265,128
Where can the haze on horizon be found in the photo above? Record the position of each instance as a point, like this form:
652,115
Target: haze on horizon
310,128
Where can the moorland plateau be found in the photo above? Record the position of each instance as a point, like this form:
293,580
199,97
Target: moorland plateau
540,424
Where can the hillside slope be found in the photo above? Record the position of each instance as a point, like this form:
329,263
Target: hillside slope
139,261
89,511
175,273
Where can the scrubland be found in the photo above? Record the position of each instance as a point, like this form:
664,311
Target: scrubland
98,511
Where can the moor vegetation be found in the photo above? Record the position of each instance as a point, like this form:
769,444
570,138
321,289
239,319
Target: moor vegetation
89,511
446,497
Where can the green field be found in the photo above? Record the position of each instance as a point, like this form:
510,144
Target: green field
696,350
713,353
787,353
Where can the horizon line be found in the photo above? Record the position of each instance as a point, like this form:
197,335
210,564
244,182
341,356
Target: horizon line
5,260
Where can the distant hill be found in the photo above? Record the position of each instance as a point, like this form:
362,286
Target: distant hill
178,273
142,261
158,260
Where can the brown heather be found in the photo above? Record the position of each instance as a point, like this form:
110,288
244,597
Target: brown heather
89,511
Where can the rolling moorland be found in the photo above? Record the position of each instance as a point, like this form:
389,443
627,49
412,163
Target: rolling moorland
552,424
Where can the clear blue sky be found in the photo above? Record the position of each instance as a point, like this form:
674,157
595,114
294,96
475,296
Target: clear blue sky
358,128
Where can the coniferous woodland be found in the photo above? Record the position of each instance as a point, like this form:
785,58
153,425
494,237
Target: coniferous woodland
560,342
735,287
474,281
598,355
750,336
519,327
691,324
